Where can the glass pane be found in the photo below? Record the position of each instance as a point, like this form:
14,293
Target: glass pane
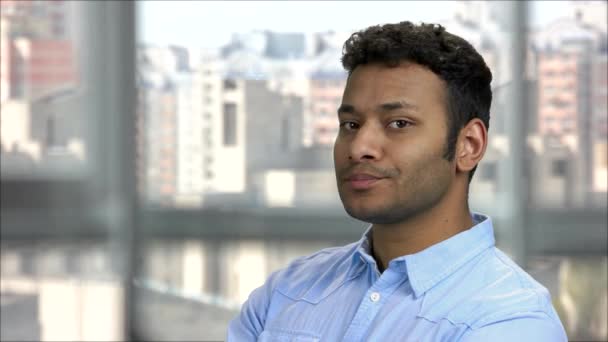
237,121
61,260
578,286
567,133
566,168
41,91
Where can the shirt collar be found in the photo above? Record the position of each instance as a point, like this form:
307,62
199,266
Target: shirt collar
428,267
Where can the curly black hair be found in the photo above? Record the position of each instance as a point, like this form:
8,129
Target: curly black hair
450,57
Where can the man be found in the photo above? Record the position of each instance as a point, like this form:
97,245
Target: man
413,127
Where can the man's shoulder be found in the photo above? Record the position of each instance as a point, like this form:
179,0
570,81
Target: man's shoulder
490,290
315,276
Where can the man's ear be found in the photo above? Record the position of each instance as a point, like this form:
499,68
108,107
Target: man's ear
471,145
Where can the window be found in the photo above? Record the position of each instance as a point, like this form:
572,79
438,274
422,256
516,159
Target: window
559,168
229,84
558,103
74,152
265,65
285,133
112,244
229,124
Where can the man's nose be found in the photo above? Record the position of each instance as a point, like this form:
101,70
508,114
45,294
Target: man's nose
366,144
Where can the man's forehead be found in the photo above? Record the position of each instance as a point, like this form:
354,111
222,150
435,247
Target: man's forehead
405,75
409,75
388,67
408,87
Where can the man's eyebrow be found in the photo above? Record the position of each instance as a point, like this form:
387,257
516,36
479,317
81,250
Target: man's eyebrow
385,107
346,108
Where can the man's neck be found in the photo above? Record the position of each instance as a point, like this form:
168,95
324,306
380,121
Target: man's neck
417,233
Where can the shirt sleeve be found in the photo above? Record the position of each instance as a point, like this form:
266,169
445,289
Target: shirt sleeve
249,324
535,326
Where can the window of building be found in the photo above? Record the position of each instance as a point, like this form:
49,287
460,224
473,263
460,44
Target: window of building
559,168
284,133
230,124
229,84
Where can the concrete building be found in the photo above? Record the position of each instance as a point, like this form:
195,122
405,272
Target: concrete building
558,100
305,65
274,135
41,107
228,130
39,19
190,183
224,133
325,98
565,53
160,143
599,97
570,58
327,82
38,68
592,13
157,136
15,124
192,120
557,182
38,56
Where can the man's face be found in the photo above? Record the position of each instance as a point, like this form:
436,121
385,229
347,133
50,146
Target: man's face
389,151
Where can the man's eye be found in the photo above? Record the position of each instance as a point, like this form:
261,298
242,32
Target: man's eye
349,125
399,124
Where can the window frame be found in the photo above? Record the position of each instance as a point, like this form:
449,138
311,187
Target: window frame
112,97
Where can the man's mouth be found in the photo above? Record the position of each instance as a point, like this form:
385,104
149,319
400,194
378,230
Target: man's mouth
362,181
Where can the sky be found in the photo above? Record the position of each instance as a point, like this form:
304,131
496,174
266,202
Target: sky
210,24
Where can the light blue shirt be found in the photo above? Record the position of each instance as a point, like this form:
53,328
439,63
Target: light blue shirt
461,289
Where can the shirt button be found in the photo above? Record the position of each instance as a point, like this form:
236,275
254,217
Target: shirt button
375,296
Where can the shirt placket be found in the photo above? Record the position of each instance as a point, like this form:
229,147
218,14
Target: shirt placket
372,303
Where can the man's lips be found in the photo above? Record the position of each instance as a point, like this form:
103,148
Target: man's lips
362,177
362,181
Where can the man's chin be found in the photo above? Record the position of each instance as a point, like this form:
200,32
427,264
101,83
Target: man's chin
373,215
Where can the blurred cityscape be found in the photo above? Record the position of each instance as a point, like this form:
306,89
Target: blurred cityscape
254,122
39,77
251,125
